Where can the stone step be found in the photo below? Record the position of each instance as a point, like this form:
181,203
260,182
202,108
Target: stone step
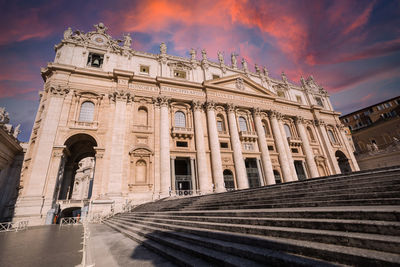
360,226
167,252
316,195
329,252
381,213
252,253
291,204
362,240
209,256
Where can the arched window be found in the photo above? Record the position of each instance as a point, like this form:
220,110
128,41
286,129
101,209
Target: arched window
310,134
266,128
140,176
87,112
142,116
180,119
287,130
331,136
242,124
220,123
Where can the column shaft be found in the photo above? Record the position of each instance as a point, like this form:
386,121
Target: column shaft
193,174
164,149
288,153
328,147
241,175
204,182
280,147
307,149
263,146
216,162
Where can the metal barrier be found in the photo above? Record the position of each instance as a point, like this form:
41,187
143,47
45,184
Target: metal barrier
71,220
14,226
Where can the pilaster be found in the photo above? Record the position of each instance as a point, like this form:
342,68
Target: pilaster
165,172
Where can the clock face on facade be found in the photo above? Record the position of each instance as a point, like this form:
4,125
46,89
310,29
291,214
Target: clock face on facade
98,39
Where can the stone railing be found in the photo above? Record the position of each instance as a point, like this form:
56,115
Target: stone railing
182,132
14,226
71,220
248,136
184,192
294,141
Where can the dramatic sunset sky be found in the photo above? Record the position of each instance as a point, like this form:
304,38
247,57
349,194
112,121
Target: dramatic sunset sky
352,48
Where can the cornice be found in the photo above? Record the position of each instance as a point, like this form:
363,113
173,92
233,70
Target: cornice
163,80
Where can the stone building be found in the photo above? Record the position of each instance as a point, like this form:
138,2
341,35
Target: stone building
11,157
158,125
376,134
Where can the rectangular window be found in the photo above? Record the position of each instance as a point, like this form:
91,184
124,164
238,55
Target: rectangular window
180,74
215,76
144,69
95,60
295,150
224,145
220,126
248,146
298,99
271,148
181,144
319,101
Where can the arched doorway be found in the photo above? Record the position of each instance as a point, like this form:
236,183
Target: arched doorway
228,180
343,162
277,176
78,170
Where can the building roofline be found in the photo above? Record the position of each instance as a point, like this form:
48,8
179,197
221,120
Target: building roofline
368,107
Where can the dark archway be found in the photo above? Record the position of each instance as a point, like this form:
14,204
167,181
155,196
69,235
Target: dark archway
343,162
79,147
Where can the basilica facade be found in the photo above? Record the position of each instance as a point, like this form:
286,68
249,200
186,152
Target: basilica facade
117,127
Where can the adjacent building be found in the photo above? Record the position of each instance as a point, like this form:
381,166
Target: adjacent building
376,134
11,158
117,127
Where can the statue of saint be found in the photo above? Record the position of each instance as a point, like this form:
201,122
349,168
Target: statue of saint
204,54
234,60
244,64
127,40
257,68
221,58
163,48
192,54
68,33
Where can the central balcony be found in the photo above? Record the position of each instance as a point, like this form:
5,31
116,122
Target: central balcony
182,132
248,136
294,141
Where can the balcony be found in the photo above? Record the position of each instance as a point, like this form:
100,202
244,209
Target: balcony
248,136
294,141
182,132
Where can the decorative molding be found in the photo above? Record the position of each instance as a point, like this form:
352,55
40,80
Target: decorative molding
163,101
197,105
59,91
121,96
230,107
210,105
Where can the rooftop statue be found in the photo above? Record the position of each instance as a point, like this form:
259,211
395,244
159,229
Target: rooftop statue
127,40
234,60
192,54
204,54
221,58
163,48
244,64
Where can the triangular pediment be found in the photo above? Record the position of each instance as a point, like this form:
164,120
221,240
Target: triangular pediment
239,83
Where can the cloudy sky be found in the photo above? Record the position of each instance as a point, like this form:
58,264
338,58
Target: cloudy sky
352,48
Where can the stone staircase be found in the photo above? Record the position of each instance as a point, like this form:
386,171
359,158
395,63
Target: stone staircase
337,220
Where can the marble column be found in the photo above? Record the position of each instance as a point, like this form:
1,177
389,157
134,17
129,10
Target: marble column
263,146
328,147
312,167
216,162
348,147
260,176
193,174
288,153
99,183
117,155
204,182
241,175
280,147
173,181
164,148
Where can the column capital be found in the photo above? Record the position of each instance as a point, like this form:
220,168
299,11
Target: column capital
210,105
340,126
319,122
59,90
274,114
256,111
163,101
299,119
121,95
230,107
197,105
